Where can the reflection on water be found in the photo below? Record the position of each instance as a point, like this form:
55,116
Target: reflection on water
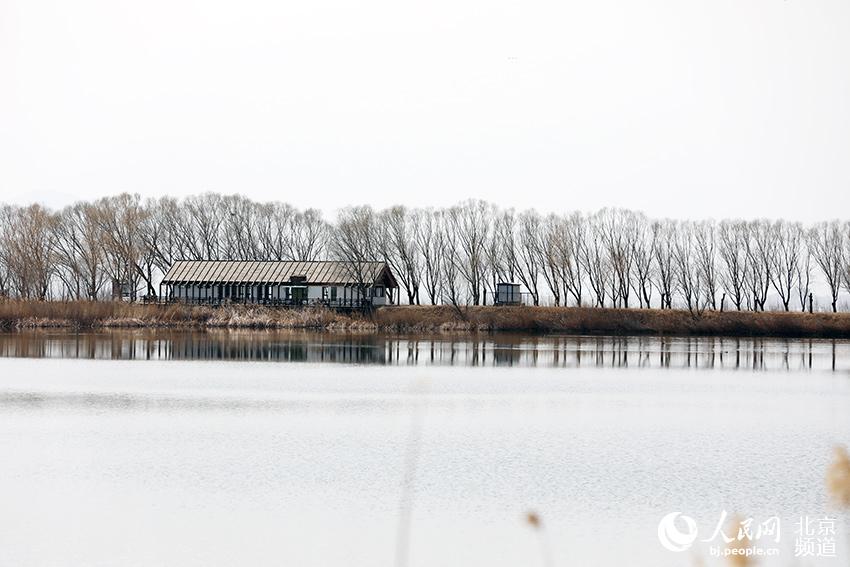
192,463
486,350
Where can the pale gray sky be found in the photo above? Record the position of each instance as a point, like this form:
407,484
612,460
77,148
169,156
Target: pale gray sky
679,108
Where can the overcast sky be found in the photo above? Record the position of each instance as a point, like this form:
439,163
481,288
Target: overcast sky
678,108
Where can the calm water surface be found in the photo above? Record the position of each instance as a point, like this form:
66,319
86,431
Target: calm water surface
147,448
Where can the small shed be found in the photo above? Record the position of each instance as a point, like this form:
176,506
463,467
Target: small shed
122,290
508,294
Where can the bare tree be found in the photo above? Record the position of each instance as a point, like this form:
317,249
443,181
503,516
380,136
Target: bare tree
27,245
568,244
403,249
689,275
846,256
358,242
705,239
203,227
528,262
240,226
78,251
734,260
469,224
594,258
456,255
759,247
428,232
643,254
547,247
803,274
310,236
826,243
7,213
787,244
618,229
4,276
121,220
451,284
664,234
275,230
502,250
162,236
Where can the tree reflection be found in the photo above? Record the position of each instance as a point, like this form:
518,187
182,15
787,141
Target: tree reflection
497,350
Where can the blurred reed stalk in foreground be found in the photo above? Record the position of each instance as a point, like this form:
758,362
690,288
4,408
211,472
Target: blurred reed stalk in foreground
411,461
838,487
838,478
738,546
533,520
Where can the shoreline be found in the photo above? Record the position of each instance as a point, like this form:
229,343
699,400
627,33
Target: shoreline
79,315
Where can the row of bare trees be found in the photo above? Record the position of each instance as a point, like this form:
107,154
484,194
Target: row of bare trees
457,255
78,251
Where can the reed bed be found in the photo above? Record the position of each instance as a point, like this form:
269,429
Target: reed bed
613,321
94,314
414,319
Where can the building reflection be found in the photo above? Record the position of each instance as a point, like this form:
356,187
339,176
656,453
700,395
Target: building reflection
485,350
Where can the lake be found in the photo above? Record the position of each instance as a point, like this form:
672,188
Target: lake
274,448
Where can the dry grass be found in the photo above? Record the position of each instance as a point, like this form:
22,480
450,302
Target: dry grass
96,313
613,321
407,319
88,314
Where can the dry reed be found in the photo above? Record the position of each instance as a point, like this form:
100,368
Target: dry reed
533,519
415,319
739,546
611,321
838,478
